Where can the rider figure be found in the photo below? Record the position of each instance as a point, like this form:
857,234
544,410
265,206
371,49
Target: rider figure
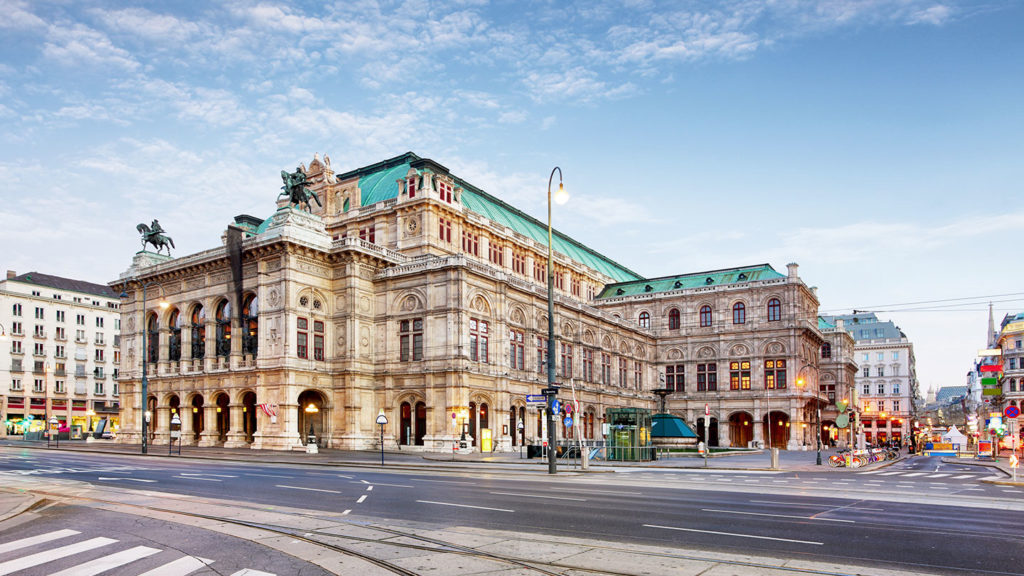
155,228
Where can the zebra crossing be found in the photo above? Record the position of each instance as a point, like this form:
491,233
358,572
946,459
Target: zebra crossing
38,552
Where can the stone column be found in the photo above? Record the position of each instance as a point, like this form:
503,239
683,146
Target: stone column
187,432
210,352
163,414
236,431
209,436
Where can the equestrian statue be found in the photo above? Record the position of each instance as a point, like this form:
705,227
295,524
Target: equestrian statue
296,191
154,234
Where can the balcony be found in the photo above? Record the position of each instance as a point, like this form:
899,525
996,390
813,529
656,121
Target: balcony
41,334
60,373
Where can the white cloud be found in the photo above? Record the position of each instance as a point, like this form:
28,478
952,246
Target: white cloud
81,45
935,15
19,17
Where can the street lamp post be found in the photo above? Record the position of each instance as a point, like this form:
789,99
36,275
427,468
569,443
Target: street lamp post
817,411
381,421
552,390
145,358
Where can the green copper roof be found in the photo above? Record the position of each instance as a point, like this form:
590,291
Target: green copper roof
695,280
378,182
669,426
825,324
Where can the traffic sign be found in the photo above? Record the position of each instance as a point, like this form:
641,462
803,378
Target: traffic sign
535,399
556,406
568,408
568,421
707,410
1012,411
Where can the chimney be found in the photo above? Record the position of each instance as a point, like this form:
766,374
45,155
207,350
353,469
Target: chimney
792,266
11,274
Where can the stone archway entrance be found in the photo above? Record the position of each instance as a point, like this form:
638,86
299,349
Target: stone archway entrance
197,417
249,415
312,418
780,428
223,416
741,429
712,432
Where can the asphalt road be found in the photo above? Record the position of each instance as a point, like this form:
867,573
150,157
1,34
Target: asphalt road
919,514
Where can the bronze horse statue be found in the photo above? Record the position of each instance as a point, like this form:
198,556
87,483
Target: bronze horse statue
296,191
155,235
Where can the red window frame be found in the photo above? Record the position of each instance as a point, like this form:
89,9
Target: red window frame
479,337
302,337
774,310
739,313
444,230
318,340
673,319
705,316
566,360
517,351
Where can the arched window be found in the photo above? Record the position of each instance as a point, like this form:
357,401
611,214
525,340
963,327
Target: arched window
250,324
673,319
705,316
152,338
774,310
645,320
739,313
198,332
174,336
223,328
826,350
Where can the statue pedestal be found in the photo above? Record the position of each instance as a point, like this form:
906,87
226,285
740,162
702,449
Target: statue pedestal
144,259
297,225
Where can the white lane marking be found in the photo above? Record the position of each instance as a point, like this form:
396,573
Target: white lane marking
343,476
588,491
126,479
887,473
346,512
938,475
33,540
205,474
179,567
962,477
364,481
54,554
463,506
361,499
539,496
777,515
871,472
369,488
197,478
392,485
912,474
100,565
309,489
449,482
733,534
269,476
791,504
251,572
974,489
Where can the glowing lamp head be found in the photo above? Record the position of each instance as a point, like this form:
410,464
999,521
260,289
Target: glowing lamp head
561,196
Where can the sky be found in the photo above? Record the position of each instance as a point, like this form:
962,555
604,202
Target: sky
877,143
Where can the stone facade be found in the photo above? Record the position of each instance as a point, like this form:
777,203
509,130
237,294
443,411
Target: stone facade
399,295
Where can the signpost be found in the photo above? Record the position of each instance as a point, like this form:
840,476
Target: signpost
522,441
382,420
535,399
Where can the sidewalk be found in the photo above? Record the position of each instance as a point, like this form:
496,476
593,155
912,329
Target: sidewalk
758,461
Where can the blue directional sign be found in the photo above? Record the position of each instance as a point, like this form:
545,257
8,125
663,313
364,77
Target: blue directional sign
556,406
568,421
536,399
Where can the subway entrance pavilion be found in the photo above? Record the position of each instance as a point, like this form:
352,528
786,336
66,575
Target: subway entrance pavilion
412,292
